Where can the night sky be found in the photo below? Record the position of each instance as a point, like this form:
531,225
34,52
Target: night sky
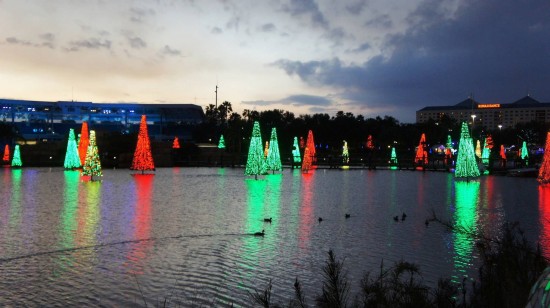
369,57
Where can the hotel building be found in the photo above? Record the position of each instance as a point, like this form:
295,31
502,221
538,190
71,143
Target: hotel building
490,116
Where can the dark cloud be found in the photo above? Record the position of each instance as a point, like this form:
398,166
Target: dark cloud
361,48
357,7
295,100
138,15
216,30
137,42
268,27
92,43
46,41
309,8
496,49
379,22
16,41
168,51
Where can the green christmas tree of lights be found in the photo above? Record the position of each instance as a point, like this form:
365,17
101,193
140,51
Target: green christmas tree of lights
393,158
16,160
92,165
544,170
72,159
221,144
143,159
255,161
296,152
273,161
524,151
345,153
306,164
485,153
466,165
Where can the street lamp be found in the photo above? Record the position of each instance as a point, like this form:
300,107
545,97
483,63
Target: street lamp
473,118
500,127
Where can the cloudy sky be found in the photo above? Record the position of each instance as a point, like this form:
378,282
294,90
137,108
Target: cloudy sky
369,57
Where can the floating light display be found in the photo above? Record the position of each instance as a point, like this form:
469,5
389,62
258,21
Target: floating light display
143,159
6,158
421,154
485,153
92,165
393,159
370,143
478,149
345,153
306,164
83,142
16,160
310,144
72,159
266,149
255,161
302,142
273,161
466,165
544,170
524,152
448,150
221,144
296,152
502,152
176,143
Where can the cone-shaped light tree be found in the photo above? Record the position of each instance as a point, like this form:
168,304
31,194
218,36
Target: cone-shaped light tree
16,160
502,152
370,143
72,159
478,149
296,152
266,149
524,151
421,154
466,165
176,143
6,158
393,157
92,165
143,159
273,161
221,144
345,153
255,161
306,164
448,150
485,153
83,142
544,170
310,144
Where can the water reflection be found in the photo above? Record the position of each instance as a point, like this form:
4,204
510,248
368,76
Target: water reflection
87,216
465,217
141,221
544,219
68,221
15,200
306,212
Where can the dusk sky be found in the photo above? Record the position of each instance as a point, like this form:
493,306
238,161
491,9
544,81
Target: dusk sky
369,57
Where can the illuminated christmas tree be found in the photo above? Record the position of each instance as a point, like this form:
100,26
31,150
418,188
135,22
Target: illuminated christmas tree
83,142
478,149
221,144
310,144
370,143
266,149
16,160
345,153
485,153
92,165
273,161
466,165
524,151
393,157
448,149
72,159
176,143
6,158
255,162
143,159
544,170
421,154
296,152
306,164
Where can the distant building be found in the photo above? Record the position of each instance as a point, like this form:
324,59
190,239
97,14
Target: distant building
490,116
39,120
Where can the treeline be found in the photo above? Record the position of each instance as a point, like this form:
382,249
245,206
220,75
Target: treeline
331,131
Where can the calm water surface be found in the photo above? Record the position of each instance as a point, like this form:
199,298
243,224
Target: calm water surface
181,234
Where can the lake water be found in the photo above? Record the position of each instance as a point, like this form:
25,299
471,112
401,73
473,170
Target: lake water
181,235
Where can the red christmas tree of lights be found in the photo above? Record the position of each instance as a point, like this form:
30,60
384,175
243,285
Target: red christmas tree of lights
143,159
310,144
83,142
370,143
176,143
306,164
421,155
6,158
544,170
503,152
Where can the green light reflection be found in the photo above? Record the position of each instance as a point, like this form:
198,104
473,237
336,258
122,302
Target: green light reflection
14,219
